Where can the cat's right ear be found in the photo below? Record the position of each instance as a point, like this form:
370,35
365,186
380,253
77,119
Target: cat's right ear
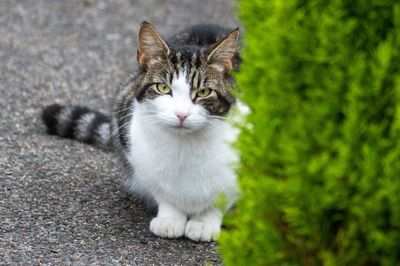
151,48
224,53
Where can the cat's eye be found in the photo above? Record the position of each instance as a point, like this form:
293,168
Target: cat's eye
203,92
162,88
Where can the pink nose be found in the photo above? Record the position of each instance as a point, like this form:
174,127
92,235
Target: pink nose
181,117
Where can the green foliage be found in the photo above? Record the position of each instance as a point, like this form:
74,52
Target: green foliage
320,169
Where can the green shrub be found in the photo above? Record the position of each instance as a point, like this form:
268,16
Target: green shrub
320,170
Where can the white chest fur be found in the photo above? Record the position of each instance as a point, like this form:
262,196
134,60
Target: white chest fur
189,171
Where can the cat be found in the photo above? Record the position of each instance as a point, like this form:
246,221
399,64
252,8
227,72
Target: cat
169,127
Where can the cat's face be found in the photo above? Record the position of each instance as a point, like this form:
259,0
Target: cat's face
187,88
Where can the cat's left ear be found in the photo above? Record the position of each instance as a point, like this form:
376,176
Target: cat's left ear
151,48
223,52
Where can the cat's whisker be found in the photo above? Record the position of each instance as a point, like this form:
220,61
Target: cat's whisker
122,129
125,116
130,108
216,117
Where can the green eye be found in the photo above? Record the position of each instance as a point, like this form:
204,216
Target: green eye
164,89
203,92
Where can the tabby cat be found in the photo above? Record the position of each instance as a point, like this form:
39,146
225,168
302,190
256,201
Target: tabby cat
169,127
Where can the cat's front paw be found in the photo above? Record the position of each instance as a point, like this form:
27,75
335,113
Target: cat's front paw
168,227
202,231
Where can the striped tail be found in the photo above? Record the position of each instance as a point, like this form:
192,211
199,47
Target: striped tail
77,122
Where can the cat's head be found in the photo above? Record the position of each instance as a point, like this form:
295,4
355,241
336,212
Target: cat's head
184,87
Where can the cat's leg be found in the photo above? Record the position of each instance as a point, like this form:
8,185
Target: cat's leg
205,226
169,222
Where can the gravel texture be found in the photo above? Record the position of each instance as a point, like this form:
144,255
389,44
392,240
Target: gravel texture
62,202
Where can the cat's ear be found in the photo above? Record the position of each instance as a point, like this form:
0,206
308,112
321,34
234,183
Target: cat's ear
223,53
151,48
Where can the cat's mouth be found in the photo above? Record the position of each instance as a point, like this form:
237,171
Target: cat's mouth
182,127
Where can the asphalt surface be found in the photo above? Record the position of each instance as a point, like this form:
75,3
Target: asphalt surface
62,202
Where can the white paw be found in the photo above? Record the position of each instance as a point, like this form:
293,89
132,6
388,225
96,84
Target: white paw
168,227
201,231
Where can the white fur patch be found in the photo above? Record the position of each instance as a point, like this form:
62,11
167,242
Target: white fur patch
169,222
83,124
63,119
205,227
104,133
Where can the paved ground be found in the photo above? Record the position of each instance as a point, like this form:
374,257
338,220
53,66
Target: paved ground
62,202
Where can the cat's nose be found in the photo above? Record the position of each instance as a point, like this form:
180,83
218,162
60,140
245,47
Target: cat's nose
182,117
